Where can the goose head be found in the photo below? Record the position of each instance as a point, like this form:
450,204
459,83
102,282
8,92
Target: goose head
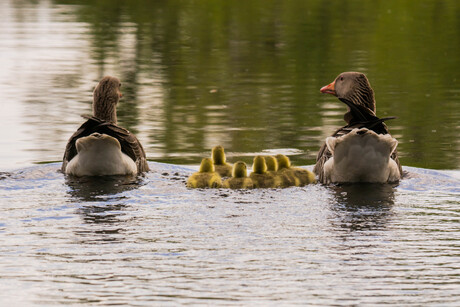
354,87
206,166
105,99
218,155
259,165
240,170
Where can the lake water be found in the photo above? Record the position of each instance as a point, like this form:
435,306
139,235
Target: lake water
245,75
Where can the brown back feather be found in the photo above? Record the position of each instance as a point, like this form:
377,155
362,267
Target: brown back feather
130,145
370,122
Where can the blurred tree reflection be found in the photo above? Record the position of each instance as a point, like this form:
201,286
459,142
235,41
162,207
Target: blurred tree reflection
247,73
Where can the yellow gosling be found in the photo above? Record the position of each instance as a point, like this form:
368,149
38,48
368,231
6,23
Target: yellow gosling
272,163
218,157
260,175
285,172
206,177
302,176
305,176
240,179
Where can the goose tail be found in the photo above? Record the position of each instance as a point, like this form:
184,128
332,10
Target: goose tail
361,156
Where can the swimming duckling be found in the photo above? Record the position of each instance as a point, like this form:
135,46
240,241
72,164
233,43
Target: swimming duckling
240,179
305,176
272,163
285,172
218,157
260,175
302,176
206,177
272,168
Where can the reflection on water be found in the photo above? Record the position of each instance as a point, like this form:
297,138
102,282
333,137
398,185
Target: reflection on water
108,219
98,188
365,195
244,75
363,206
102,205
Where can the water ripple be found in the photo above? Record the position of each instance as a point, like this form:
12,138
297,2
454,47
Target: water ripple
150,239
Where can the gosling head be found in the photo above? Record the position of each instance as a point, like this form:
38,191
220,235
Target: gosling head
105,98
259,166
272,163
240,170
283,161
206,166
218,155
353,86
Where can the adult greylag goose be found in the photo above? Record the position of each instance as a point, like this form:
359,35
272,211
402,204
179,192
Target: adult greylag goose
363,150
100,147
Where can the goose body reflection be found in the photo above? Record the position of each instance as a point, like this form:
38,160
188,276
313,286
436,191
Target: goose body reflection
363,206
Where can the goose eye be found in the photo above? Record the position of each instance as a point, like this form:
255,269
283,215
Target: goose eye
341,78
119,85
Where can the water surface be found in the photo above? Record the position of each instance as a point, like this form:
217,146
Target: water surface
149,240
246,75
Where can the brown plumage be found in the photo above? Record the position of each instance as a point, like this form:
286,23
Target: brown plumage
353,89
104,121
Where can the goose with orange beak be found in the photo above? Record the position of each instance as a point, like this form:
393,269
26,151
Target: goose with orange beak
363,150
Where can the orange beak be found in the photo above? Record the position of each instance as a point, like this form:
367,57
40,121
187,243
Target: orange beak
120,94
329,89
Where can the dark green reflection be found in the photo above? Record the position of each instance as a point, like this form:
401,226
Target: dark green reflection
246,74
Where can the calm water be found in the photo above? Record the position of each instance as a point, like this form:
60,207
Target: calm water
139,241
244,74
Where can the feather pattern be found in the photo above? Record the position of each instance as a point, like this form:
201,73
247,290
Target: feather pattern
104,121
130,145
354,90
